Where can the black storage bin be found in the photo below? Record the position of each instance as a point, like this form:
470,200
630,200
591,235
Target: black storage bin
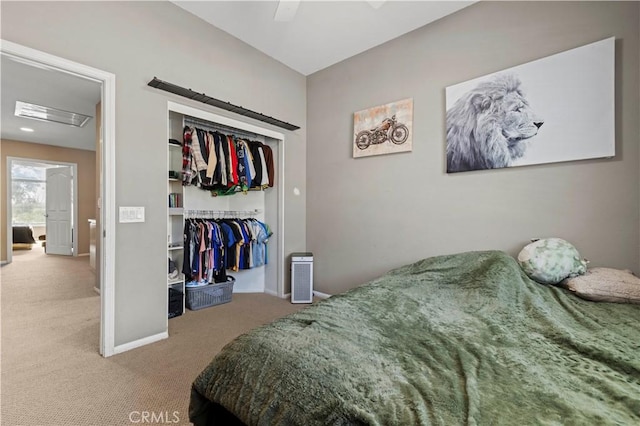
175,303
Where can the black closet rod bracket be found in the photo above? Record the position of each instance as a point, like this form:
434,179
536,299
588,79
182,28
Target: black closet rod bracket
201,97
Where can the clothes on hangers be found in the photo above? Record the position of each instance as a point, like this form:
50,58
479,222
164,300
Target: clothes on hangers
211,246
225,164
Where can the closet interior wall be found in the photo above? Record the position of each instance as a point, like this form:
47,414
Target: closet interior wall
255,280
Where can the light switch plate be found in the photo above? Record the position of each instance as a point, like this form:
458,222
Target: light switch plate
131,214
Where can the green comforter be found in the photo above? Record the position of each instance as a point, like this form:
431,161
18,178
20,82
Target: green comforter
460,339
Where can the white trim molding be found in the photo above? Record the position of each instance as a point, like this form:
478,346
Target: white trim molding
140,342
321,295
271,293
107,235
280,178
317,294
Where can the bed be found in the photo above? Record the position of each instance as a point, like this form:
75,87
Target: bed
457,339
22,237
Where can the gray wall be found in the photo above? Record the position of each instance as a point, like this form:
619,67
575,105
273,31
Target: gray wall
137,41
367,215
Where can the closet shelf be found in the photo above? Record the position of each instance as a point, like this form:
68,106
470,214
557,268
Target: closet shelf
176,211
175,281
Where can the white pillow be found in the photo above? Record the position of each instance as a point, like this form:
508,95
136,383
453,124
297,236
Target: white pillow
605,285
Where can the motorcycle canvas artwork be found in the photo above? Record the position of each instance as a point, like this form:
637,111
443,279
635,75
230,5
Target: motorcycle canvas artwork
384,129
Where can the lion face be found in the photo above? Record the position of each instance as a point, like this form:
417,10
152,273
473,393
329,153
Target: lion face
487,127
518,122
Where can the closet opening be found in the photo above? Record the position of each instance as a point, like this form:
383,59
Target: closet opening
261,202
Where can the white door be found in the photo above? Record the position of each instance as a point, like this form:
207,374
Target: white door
59,211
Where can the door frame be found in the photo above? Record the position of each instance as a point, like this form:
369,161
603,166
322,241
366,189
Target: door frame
74,197
106,199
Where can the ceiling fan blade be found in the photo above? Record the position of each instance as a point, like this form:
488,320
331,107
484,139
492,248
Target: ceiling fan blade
286,10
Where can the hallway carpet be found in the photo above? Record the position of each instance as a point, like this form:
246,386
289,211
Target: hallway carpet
52,373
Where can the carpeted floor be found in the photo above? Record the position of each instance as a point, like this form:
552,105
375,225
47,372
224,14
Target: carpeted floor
52,373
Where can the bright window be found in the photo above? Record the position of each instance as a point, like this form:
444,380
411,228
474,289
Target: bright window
28,193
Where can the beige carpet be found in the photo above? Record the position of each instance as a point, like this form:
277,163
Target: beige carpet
52,373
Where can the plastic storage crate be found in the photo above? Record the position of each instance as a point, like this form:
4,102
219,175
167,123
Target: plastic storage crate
209,295
175,303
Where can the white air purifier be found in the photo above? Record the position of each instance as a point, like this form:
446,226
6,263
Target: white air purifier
301,277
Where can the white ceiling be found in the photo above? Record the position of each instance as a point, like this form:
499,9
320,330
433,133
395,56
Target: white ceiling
321,33
21,82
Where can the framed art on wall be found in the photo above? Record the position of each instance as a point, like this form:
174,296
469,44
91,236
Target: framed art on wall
385,129
558,108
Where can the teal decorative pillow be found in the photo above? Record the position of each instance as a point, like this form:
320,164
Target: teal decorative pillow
551,260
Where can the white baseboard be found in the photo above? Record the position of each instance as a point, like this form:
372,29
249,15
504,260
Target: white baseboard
249,289
321,295
317,294
140,342
4,262
271,292
83,254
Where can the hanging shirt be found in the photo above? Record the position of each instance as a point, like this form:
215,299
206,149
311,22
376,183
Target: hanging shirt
222,161
212,162
246,247
268,232
257,164
259,243
242,166
268,157
186,249
233,161
198,163
249,163
265,174
187,172
240,241
230,243
217,173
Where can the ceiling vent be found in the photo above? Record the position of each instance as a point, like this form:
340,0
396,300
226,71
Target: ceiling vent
52,115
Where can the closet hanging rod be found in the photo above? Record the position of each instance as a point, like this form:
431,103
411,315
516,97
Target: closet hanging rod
207,125
218,214
201,97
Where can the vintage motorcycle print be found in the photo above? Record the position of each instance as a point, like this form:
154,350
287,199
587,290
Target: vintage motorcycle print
388,130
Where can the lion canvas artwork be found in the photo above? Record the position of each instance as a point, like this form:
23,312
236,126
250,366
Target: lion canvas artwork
558,108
